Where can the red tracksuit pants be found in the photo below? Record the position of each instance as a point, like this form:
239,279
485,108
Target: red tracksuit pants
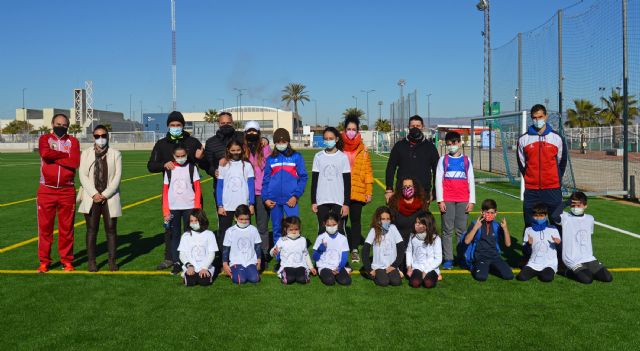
63,202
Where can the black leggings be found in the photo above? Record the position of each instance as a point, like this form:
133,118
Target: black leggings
585,276
354,234
327,277
546,275
429,281
224,223
193,280
324,210
292,275
383,278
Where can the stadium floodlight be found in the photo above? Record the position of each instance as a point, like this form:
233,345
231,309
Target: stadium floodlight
482,5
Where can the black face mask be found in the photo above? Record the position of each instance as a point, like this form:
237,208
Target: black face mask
415,134
252,138
227,130
60,131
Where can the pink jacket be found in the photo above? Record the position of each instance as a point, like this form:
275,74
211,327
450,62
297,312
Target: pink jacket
258,169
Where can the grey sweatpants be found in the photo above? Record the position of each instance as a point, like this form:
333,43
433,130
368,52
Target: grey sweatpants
262,223
455,219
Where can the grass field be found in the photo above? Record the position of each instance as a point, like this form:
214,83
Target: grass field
138,311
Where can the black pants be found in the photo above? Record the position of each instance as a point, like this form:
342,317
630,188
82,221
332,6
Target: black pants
93,225
383,278
292,275
546,275
193,280
324,210
429,281
224,223
354,235
590,271
497,266
327,277
178,217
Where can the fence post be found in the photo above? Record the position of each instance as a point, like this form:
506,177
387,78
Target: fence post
560,78
625,104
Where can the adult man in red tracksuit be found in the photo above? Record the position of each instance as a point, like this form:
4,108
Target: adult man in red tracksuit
60,157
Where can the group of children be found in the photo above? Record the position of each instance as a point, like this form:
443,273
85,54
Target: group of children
417,258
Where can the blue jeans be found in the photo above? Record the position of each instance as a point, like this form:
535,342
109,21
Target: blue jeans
277,213
241,274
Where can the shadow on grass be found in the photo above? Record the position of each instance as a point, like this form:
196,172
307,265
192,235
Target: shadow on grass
130,247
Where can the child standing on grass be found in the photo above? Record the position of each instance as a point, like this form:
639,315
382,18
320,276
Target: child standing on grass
291,250
577,248
543,240
180,194
388,249
242,249
330,252
483,237
198,248
424,253
455,194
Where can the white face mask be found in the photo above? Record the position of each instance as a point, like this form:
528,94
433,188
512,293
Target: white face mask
101,142
242,225
181,160
453,149
293,235
421,236
195,226
578,211
539,123
332,229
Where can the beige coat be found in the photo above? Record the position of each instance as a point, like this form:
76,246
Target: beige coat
112,192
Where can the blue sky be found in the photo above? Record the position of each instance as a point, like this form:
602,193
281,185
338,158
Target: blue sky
337,48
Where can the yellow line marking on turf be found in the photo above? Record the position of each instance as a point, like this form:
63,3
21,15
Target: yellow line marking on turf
77,224
380,183
122,181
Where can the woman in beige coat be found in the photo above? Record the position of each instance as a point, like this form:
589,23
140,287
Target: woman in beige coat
100,173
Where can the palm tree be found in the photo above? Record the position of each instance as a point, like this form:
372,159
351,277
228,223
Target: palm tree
44,130
75,129
584,115
211,116
353,112
383,125
340,126
612,114
295,92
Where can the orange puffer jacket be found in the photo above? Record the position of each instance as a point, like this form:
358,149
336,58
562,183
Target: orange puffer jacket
361,173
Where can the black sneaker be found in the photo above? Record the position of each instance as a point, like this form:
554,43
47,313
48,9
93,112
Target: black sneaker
164,265
177,269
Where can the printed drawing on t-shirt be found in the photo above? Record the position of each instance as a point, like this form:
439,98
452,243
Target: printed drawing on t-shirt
387,248
330,172
235,183
199,252
179,186
540,248
294,257
333,255
581,241
244,245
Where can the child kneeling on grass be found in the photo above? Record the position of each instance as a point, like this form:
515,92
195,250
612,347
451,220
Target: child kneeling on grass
388,249
330,252
483,238
291,251
242,249
577,249
197,249
543,240
424,252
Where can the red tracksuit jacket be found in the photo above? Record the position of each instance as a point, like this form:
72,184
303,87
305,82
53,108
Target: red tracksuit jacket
60,157
542,159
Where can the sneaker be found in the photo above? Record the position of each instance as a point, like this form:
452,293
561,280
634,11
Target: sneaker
177,269
354,256
164,265
68,267
43,268
447,264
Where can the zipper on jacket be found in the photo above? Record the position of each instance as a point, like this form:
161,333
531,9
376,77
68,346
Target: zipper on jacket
539,162
58,183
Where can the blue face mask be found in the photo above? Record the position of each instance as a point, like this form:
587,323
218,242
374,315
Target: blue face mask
175,131
539,123
329,144
385,225
540,221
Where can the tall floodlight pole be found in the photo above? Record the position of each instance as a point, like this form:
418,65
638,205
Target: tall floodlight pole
173,50
483,5
355,98
429,112
240,90
401,84
367,92
380,109
316,109
222,102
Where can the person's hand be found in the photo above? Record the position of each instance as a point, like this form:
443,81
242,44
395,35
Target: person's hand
443,207
367,198
314,208
344,211
409,271
530,240
200,153
275,250
167,217
222,162
478,224
503,223
387,195
372,273
252,209
334,271
191,270
204,273
169,166
292,201
313,271
226,269
258,264
216,174
430,197
390,269
221,211
97,198
270,204
469,208
556,240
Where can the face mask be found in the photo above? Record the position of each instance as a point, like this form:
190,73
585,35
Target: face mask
195,226
60,131
252,138
578,211
282,147
385,225
421,236
351,134
332,229
235,157
542,221
329,144
408,192
489,217
227,130
181,160
101,142
415,134
453,149
242,225
539,123
293,235
175,131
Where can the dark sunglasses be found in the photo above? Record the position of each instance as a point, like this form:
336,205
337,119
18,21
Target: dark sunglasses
98,136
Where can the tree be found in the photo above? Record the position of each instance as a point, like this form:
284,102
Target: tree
383,125
364,127
44,130
353,112
211,116
75,129
108,126
584,115
340,126
295,92
612,114
17,127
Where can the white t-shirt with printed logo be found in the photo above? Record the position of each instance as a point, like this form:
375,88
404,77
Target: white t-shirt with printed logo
242,245
333,254
293,252
235,191
384,253
576,239
196,248
181,194
422,256
543,249
330,168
